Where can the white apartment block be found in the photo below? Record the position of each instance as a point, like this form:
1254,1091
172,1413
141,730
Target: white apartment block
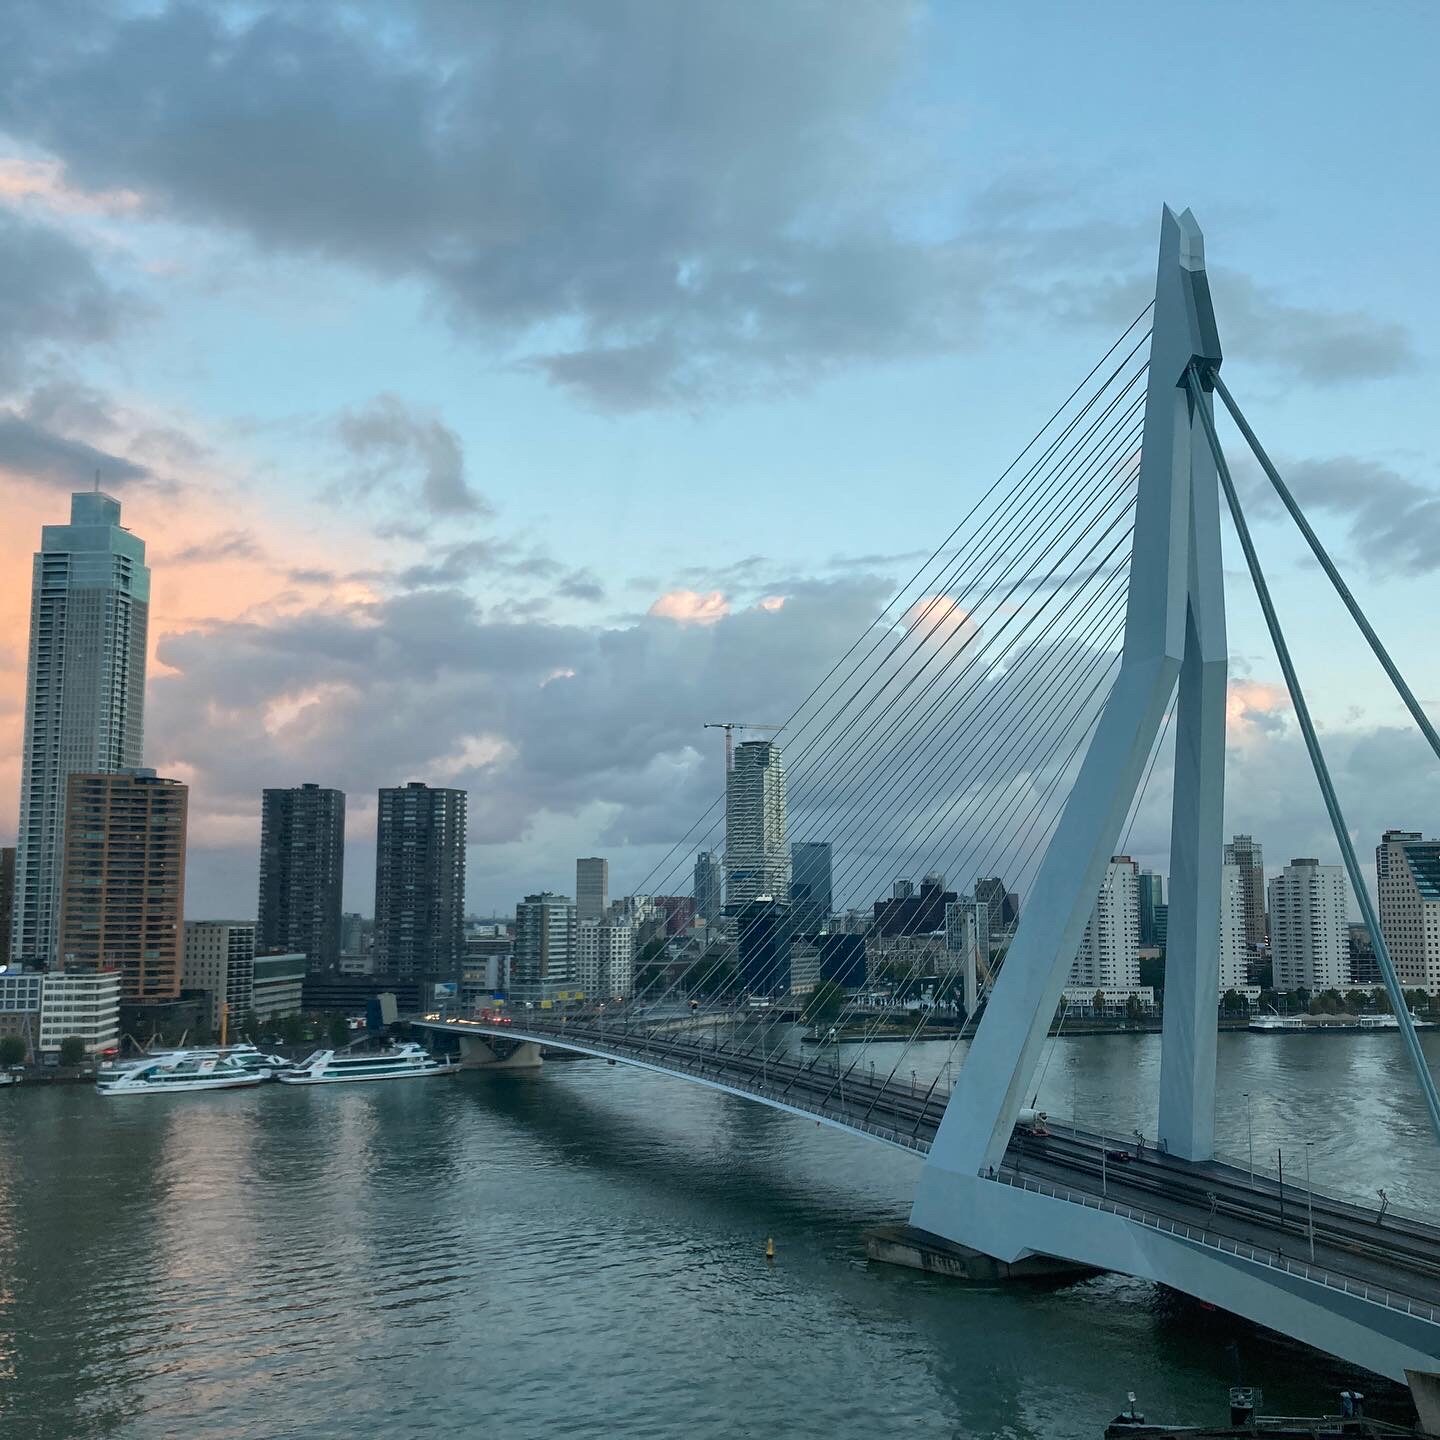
1109,953
605,960
1407,871
1233,928
1309,928
80,1002
544,954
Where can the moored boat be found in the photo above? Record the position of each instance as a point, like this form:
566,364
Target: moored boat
177,1074
401,1062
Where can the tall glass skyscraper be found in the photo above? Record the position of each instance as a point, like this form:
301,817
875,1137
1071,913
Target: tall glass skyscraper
709,886
810,885
85,698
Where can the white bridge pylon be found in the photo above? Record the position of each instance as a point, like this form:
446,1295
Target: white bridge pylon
1174,633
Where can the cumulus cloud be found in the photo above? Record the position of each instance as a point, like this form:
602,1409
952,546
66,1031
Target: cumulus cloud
51,296
567,717
1393,521
408,457
1318,345
39,452
689,607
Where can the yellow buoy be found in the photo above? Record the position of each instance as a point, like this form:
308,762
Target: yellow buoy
769,1247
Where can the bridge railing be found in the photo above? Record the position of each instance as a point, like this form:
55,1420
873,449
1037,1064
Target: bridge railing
674,1058
1375,1294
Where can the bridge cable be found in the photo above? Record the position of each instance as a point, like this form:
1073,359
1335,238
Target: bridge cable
1393,987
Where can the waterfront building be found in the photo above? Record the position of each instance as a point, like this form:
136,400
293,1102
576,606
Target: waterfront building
592,888
913,914
1234,951
1114,1002
7,901
902,890
763,947
420,883
1247,853
709,887
1309,927
84,1003
1109,953
354,933
805,967
757,857
84,697
1150,892
604,960
20,1004
1364,966
967,938
990,892
811,896
1162,925
545,945
843,960
302,864
1407,870
219,959
122,893
277,985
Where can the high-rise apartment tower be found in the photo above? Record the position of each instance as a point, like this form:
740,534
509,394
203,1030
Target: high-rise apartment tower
592,888
85,694
122,886
420,883
757,857
1309,926
302,863
1249,855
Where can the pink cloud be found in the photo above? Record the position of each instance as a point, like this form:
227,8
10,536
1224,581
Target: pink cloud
1254,707
42,182
938,619
689,607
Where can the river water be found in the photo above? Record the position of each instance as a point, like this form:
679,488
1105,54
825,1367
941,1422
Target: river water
580,1252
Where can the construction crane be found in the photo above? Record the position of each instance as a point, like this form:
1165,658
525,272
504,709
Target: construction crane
729,727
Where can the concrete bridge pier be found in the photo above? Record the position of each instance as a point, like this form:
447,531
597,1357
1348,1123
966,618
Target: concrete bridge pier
1425,1393
479,1052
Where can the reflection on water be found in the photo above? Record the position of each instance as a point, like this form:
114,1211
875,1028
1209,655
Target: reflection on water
580,1252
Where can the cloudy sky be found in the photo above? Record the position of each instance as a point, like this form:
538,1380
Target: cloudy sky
504,389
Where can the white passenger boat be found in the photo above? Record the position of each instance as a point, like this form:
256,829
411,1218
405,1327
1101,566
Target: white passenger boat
176,1074
250,1059
1273,1022
400,1062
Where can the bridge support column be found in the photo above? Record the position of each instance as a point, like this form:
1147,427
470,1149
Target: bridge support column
1425,1392
477,1053
920,1250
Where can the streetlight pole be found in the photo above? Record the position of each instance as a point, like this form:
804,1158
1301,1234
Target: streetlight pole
1250,1136
1310,1201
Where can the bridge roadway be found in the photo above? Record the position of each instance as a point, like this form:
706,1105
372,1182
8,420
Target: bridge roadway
1393,1260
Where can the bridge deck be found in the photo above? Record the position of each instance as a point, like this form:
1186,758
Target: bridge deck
1394,1260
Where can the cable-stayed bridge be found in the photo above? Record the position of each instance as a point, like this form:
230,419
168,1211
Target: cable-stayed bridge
1003,717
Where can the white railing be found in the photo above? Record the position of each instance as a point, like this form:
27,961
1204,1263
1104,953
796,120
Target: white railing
718,1074
1375,1294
